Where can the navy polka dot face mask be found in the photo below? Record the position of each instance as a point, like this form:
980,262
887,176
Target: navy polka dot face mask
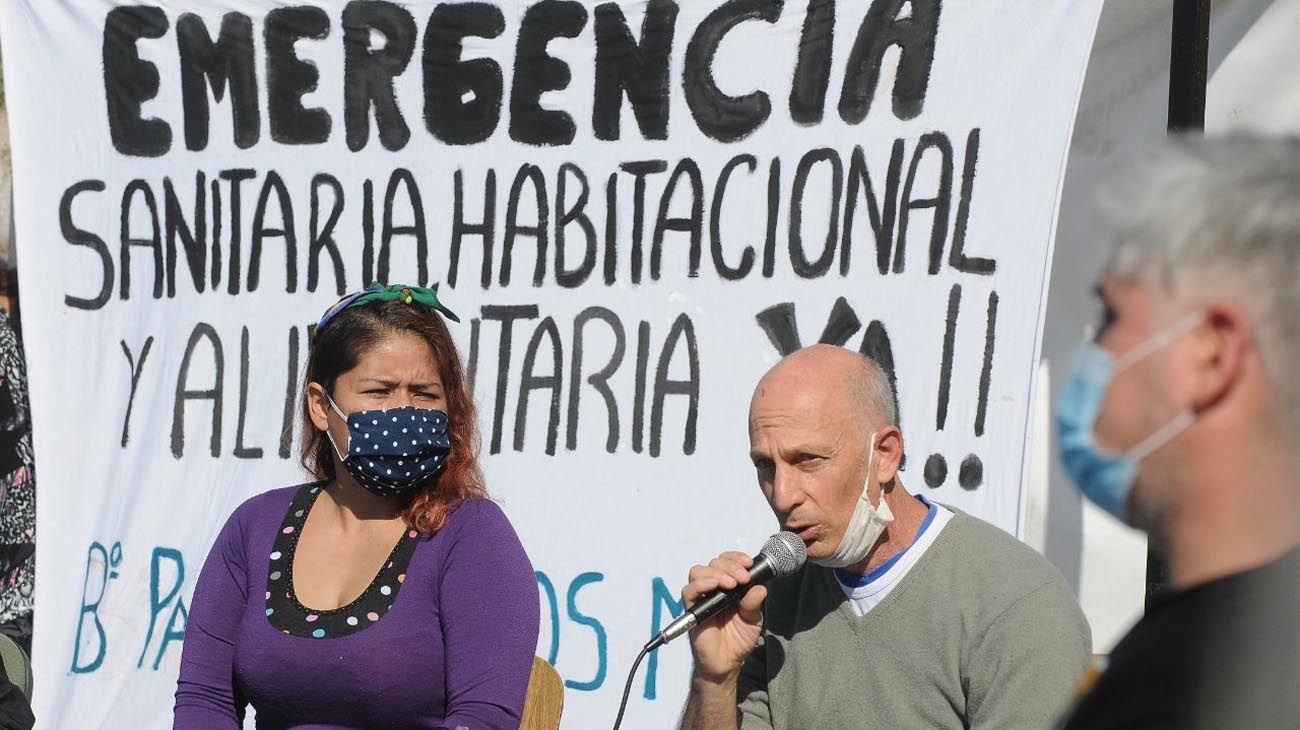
390,452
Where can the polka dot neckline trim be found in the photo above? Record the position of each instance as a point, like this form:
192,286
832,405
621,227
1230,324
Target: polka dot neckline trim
283,610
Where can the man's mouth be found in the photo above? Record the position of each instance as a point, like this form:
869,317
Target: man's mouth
806,532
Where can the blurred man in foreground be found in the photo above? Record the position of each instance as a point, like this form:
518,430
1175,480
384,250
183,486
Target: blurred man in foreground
1183,419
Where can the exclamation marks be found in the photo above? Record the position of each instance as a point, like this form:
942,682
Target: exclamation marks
971,473
936,467
986,373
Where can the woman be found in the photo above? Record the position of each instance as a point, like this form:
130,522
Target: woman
388,593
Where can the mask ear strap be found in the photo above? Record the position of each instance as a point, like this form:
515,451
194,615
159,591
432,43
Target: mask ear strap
1160,340
1162,436
342,455
342,416
330,436
871,468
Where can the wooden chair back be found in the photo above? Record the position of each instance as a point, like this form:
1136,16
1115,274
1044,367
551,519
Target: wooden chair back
544,702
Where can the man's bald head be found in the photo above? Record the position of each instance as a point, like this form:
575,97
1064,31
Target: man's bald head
839,374
822,436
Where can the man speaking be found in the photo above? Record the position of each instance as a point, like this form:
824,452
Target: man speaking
909,614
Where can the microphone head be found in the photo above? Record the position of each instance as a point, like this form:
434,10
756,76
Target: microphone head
786,552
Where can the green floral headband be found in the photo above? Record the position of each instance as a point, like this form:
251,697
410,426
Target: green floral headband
377,292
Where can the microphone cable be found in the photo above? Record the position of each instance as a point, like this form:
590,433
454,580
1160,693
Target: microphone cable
627,689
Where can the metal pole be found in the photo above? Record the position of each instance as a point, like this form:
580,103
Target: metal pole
1189,64
1188,73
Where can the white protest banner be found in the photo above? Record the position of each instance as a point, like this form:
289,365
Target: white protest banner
636,208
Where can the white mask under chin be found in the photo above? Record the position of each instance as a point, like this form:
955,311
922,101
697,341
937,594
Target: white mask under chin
865,527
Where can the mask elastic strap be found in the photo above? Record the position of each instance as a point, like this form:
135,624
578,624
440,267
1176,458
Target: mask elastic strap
1162,436
342,417
1160,340
342,456
871,465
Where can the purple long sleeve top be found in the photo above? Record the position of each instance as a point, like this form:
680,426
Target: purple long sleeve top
444,637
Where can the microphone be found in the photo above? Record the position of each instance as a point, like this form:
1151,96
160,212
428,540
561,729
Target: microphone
782,554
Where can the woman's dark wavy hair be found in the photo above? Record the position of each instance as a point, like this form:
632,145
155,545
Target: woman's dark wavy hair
338,348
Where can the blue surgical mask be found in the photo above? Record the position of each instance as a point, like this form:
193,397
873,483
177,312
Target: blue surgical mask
391,452
1103,476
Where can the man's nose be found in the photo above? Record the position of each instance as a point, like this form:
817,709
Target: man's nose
787,494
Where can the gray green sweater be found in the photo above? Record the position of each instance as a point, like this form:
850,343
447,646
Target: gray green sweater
982,633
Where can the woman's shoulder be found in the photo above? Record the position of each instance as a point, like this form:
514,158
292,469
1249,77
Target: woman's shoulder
480,529
269,505
476,513
479,522
255,518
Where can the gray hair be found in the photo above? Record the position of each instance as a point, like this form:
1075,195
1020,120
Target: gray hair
1219,217
873,390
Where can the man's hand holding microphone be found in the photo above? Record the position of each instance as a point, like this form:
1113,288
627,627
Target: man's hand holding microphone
724,602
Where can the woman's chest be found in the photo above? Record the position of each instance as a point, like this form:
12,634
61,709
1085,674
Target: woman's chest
331,569
376,662
389,674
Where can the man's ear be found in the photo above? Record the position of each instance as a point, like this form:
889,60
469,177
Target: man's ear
889,454
1219,352
317,405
